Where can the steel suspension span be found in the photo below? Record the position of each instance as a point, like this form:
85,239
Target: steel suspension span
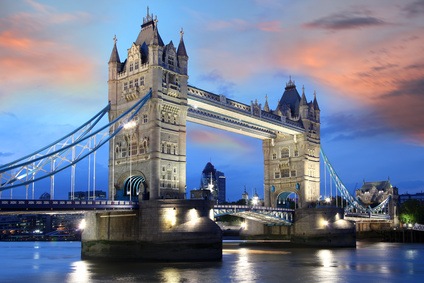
354,205
67,151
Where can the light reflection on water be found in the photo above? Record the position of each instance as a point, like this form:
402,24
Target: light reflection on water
372,262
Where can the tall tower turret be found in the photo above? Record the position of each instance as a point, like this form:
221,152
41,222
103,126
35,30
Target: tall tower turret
291,162
151,155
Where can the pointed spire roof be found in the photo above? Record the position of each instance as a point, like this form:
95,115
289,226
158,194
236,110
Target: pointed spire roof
149,32
290,99
315,101
114,56
181,51
266,106
303,98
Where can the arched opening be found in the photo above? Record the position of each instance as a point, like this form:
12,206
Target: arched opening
288,200
135,185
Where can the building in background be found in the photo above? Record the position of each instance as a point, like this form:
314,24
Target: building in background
83,195
417,196
212,185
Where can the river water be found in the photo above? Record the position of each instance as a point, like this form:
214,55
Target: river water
41,262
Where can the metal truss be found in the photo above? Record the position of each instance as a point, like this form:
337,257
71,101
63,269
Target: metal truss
67,151
354,205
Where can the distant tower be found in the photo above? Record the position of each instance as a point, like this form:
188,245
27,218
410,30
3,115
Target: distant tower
214,181
222,187
291,162
156,144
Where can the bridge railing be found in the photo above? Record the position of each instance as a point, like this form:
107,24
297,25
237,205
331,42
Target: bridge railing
250,207
69,205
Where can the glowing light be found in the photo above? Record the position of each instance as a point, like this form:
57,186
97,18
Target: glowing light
171,216
193,215
327,200
324,222
243,225
211,215
129,125
82,224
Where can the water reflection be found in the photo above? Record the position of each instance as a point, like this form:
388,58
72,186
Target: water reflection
243,268
79,272
373,262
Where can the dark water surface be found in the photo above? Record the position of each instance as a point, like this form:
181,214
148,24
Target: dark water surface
370,262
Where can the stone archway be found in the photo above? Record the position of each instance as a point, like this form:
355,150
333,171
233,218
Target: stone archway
287,200
131,186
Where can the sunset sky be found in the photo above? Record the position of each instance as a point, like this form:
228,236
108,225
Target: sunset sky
364,59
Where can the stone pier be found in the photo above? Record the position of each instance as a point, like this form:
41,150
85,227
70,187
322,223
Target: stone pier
161,230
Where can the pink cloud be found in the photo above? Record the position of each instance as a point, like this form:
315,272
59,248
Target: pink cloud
218,140
271,26
34,53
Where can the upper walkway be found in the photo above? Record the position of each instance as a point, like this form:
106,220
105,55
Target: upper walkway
220,112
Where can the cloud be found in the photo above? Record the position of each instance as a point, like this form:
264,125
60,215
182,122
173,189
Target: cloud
352,126
219,140
8,114
223,86
345,20
270,26
414,9
241,25
5,154
35,52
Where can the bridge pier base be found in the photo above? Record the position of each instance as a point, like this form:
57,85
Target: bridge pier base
162,230
324,227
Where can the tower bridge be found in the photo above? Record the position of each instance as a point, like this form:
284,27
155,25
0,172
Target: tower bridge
154,148
150,102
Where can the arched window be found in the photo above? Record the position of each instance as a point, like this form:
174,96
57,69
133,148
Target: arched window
285,153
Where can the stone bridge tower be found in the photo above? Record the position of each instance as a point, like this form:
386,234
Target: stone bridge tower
291,162
149,155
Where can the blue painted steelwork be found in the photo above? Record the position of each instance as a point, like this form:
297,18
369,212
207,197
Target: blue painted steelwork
23,171
355,207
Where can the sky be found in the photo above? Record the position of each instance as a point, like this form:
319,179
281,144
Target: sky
364,59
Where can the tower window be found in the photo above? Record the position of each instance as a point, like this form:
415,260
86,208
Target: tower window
145,118
277,175
142,81
274,156
171,61
285,173
136,65
284,153
131,67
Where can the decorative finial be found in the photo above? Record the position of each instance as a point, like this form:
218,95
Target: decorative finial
266,97
115,39
303,89
315,94
181,33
